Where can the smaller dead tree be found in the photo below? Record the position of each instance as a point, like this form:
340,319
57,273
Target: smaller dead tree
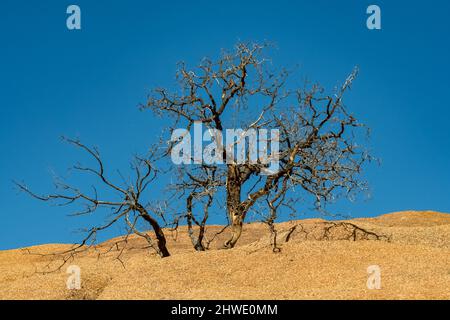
327,231
197,241
200,183
124,201
274,201
348,231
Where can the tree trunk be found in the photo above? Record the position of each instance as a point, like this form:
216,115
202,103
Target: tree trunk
159,233
234,209
236,230
196,242
201,234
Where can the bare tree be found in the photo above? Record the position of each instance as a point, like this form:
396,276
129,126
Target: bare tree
198,186
126,203
318,155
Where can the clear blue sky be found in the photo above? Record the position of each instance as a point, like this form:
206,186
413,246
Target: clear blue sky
88,84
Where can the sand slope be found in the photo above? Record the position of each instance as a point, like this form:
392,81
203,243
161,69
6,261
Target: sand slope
415,264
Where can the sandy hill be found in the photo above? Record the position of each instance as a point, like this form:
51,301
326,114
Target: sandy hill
415,264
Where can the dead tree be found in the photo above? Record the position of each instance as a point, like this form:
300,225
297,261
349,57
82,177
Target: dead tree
126,204
318,150
200,184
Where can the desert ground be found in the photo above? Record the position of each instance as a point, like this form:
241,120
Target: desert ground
414,261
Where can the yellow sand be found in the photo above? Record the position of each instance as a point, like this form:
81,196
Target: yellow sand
414,265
